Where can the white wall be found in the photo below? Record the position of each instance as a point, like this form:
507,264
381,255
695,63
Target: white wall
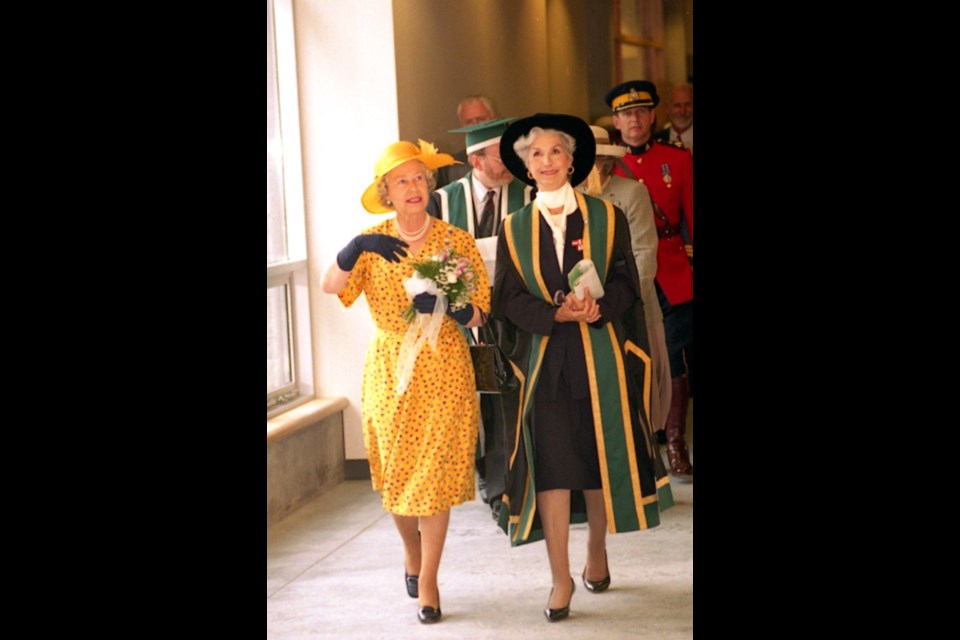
348,114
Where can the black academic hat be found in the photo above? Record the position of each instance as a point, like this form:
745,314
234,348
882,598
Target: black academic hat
583,155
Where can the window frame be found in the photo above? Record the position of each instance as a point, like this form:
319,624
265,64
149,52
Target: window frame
291,272
653,47
281,275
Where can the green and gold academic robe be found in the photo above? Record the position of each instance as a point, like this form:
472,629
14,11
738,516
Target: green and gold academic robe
454,203
612,355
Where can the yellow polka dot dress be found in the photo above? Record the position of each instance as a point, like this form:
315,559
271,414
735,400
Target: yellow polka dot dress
420,445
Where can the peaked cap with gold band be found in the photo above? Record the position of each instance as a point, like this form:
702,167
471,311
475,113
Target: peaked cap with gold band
634,93
392,157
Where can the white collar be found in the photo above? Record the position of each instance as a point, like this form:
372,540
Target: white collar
562,197
480,190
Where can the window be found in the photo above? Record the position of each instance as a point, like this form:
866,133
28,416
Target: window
288,347
640,40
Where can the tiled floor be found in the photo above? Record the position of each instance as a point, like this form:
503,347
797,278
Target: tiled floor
335,570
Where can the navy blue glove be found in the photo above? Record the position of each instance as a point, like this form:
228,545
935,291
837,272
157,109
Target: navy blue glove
387,246
424,303
463,316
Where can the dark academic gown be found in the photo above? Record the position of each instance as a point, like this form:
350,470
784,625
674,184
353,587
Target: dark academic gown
606,362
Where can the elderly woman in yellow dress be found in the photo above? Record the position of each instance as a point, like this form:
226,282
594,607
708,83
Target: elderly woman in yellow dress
421,439
583,445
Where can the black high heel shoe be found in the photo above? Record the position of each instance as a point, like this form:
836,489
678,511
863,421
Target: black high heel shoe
413,585
559,614
597,586
429,615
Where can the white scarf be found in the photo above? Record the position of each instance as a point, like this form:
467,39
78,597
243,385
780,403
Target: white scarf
562,197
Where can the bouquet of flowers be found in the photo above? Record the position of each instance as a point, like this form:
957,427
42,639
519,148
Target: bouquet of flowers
446,274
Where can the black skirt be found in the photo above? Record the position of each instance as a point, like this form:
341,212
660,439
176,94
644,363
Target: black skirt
564,441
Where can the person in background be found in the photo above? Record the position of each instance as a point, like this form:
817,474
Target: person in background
472,110
583,449
634,200
680,110
421,441
477,203
667,173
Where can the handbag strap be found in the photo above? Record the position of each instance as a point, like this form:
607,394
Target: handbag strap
472,332
483,331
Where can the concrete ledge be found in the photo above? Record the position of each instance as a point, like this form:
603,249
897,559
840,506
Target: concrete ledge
305,455
288,423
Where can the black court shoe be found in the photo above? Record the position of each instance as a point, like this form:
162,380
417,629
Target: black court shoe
553,615
413,585
429,615
597,586
412,582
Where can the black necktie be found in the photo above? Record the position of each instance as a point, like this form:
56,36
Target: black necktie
485,230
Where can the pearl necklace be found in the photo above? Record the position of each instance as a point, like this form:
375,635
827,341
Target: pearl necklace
416,235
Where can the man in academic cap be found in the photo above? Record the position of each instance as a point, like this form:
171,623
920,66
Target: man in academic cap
478,202
667,173
473,109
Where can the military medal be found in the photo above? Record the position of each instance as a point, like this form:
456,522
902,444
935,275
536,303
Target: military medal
667,178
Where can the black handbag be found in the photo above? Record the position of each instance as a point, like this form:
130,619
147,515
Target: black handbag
492,371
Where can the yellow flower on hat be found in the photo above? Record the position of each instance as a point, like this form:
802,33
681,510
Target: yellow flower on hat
426,148
392,157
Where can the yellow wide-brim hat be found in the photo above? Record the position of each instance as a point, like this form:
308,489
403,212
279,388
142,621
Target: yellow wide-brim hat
392,157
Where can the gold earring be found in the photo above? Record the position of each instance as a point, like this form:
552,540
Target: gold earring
529,175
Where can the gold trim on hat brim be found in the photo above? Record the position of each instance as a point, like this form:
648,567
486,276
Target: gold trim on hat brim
640,99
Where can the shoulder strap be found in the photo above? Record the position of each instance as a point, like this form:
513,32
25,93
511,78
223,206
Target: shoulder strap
626,168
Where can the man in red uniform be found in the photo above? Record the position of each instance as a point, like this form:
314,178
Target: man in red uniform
667,173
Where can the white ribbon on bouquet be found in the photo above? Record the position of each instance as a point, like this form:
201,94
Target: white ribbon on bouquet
424,328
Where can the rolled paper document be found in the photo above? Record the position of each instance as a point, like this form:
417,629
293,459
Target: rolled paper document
584,276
